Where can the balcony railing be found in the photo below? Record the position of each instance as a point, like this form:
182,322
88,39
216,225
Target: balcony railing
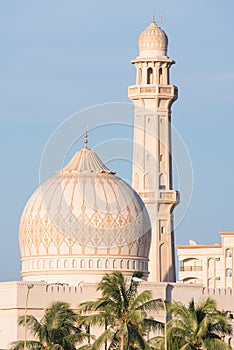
191,268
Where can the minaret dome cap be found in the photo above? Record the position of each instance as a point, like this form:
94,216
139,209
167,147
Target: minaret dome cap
153,41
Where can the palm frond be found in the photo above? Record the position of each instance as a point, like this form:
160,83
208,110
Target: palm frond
30,345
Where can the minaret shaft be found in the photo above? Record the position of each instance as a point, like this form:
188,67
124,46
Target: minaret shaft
152,161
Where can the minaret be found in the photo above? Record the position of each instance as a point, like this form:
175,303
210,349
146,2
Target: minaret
152,158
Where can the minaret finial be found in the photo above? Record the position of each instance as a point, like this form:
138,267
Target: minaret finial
153,18
86,137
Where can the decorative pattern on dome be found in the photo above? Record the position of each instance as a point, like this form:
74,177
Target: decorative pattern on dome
153,38
81,214
86,161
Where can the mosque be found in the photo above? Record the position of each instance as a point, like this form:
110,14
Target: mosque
85,221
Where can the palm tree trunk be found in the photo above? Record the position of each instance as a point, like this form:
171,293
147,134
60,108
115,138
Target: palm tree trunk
122,343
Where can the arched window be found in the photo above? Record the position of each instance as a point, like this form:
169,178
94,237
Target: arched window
121,264
210,263
160,76
133,265
146,182
66,264
90,263
228,272
74,263
228,253
99,264
150,76
114,264
82,263
106,264
128,264
162,181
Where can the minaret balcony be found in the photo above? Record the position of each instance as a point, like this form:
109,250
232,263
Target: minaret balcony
170,197
151,91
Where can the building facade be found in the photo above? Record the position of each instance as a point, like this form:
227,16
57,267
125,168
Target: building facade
209,265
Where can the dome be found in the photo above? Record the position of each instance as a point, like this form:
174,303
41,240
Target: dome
84,221
153,41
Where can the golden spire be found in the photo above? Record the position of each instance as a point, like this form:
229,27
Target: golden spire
85,138
153,18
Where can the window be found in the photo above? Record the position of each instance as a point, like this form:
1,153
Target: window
228,272
210,263
149,76
228,253
160,76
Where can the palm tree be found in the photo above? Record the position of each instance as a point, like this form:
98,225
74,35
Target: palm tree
196,327
57,330
122,312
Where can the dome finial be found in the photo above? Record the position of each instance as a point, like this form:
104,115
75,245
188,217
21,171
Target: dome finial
86,137
153,18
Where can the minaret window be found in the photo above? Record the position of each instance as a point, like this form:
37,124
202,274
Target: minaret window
160,76
162,181
150,76
228,272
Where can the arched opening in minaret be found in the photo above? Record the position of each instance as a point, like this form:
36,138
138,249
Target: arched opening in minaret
150,76
160,76
139,76
146,182
162,181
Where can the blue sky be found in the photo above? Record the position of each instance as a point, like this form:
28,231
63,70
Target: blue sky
58,57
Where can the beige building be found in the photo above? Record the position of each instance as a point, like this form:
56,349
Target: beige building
85,221
210,265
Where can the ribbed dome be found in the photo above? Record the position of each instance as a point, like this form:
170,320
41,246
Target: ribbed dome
86,161
153,42
84,219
